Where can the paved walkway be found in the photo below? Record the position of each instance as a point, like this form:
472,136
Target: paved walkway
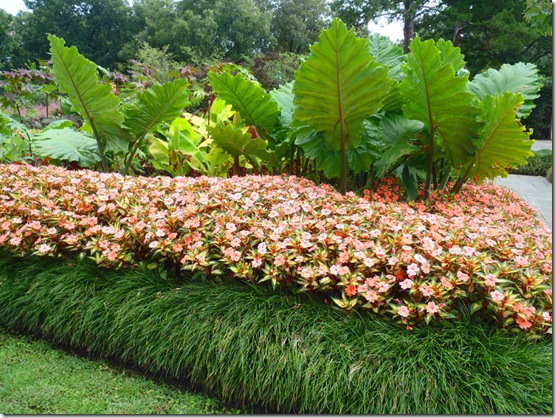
535,189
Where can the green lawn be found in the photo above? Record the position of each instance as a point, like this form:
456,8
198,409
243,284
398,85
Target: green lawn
36,378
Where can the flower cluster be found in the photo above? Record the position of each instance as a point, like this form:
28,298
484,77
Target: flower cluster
483,249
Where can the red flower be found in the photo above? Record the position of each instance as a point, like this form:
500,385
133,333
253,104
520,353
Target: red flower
351,290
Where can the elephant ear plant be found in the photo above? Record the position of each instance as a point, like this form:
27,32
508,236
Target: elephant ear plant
116,130
335,90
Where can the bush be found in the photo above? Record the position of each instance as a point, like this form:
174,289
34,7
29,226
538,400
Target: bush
549,174
289,353
481,250
537,165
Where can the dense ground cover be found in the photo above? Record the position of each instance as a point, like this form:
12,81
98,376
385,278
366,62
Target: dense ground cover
37,378
482,249
288,352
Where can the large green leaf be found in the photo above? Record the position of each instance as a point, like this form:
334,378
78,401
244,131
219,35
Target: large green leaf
517,78
359,158
158,104
399,134
77,77
503,142
67,144
248,98
338,86
450,54
236,142
283,95
388,53
439,99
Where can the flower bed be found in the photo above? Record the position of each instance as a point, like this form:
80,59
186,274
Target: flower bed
482,249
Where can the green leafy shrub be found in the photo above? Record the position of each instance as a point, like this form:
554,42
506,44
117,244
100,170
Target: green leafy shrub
286,352
549,174
537,165
482,249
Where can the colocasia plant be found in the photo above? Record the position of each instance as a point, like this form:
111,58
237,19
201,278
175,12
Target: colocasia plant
481,250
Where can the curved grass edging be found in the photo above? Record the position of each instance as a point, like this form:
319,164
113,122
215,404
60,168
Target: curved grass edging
289,353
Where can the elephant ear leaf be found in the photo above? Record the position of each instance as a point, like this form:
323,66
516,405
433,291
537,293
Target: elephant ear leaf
160,103
77,77
504,142
338,86
388,53
438,98
67,144
517,78
254,105
236,142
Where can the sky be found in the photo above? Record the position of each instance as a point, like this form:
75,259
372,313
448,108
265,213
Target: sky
12,6
393,31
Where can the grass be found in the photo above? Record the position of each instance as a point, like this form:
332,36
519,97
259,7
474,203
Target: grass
538,165
288,353
37,378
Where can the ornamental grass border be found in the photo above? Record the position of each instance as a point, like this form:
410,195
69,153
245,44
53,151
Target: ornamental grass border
289,353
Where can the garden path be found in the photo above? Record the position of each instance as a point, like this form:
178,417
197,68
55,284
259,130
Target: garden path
536,190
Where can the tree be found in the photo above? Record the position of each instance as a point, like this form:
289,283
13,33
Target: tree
99,28
7,42
490,33
358,13
224,28
296,24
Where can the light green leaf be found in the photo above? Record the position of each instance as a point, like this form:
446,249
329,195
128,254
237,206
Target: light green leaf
158,104
338,86
388,53
67,144
283,95
517,78
254,105
438,98
232,140
503,142
451,54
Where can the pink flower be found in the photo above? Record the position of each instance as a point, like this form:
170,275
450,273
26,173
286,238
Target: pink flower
406,284
497,296
426,290
403,311
546,316
279,260
412,270
261,248
371,296
490,280
462,276
257,262
43,248
432,308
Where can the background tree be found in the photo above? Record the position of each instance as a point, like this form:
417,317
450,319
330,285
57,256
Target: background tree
8,44
98,28
358,14
495,33
296,24
224,28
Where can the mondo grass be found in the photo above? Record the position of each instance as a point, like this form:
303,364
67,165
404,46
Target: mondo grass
36,378
288,353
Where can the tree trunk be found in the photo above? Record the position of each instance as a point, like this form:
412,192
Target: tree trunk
458,29
408,23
